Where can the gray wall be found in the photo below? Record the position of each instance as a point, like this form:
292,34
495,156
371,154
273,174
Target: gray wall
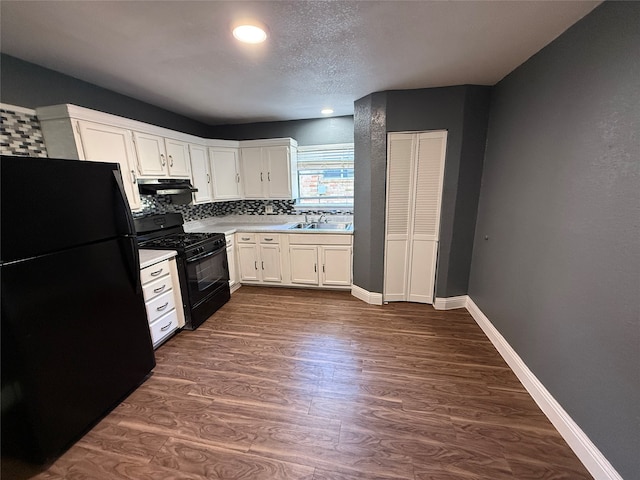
28,85
316,131
463,112
370,140
559,275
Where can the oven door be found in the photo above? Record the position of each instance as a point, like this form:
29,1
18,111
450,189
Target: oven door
206,274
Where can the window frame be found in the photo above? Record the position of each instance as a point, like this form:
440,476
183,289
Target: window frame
324,162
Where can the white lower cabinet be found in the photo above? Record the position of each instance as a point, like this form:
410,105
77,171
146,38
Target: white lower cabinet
320,265
312,260
336,265
259,258
304,264
231,260
163,300
320,260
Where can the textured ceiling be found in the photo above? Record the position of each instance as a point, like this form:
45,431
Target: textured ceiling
180,55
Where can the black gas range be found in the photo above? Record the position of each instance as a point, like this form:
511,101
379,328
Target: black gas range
202,263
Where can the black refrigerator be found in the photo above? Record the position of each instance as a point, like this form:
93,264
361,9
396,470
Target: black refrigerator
74,332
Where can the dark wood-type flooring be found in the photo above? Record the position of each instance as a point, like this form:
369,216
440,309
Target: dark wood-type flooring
317,385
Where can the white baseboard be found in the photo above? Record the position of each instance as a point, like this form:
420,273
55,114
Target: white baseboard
372,298
449,303
594,461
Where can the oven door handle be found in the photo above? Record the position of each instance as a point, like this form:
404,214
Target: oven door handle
207,255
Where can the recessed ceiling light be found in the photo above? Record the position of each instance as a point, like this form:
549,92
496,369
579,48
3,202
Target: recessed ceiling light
249,34
326,111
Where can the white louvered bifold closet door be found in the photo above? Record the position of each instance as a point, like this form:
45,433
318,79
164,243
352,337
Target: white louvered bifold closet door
400,151
415,172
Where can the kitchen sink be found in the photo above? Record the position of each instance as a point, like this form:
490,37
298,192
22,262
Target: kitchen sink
321,226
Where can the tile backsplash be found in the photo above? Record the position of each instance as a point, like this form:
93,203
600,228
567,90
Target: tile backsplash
20,133
159,204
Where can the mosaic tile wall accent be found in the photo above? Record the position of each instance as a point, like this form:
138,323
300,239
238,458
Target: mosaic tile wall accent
20,134
159,204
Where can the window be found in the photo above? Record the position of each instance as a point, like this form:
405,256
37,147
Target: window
325,175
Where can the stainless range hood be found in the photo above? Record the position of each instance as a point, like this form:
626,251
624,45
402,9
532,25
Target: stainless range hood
178,190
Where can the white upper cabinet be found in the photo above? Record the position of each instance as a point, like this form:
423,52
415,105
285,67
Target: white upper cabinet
104,143
252,172
177,158
269,171
200,174
279,181
225,169
160,158
221,170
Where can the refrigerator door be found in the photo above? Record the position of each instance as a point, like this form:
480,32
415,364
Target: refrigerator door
75,341
49,205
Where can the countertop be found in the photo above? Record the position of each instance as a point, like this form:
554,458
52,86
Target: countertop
260,223
149,257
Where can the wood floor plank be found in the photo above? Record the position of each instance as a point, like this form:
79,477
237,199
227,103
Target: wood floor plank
317,385
216,463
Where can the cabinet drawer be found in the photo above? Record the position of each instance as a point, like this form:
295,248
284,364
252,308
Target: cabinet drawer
157,287
163,326
160,305
246,238
269,238
154,271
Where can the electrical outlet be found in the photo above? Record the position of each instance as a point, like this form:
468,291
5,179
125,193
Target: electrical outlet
268,209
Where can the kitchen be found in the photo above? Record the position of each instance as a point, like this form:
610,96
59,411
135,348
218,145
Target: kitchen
474,259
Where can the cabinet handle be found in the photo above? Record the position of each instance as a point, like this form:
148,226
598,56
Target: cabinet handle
159,289
262,265
315,268
261,179
255,264
208,178
162,160
134,179
166,326
159,309
156,273
322,268
269,176
237,178
171,160
268,239
246,239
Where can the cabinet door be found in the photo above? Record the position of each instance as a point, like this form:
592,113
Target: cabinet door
278,174
336,265
225,169
152,158
248,262
270,263
304,264
252,173
177,158
102,143
200,175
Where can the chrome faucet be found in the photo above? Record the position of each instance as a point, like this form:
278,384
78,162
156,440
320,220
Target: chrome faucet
323,218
